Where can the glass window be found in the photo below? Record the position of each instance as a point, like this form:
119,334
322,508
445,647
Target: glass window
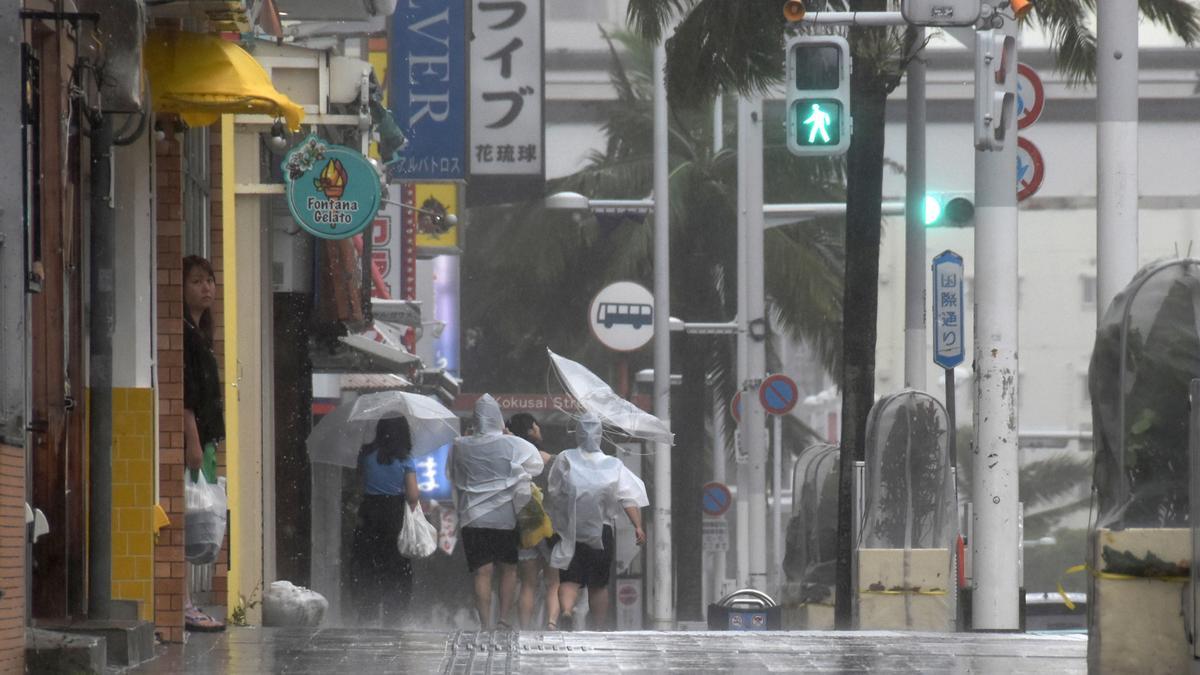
196,193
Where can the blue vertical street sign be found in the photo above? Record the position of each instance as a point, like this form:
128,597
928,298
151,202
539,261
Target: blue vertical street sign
427,89
948,309
431,474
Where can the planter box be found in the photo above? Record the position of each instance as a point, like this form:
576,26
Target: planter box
929,570
1138,624
811,616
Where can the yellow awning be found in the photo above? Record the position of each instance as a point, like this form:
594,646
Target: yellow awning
200,76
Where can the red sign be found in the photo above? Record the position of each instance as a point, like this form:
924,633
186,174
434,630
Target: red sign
627,594
778,394
735,407
1031,169
1031,96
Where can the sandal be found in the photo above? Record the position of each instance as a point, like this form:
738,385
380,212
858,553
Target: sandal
194,619
503,625
550,625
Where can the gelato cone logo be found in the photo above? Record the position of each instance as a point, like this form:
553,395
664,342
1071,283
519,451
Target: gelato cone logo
333,191
333,180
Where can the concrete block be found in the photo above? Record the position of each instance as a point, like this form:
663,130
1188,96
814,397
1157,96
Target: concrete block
883,570
1139,623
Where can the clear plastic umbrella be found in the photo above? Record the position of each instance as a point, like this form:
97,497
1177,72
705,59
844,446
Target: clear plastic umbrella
597,397
340,435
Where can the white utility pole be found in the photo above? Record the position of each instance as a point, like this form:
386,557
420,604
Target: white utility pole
742,533
663,614
1116,149
753,427
994,545
916,267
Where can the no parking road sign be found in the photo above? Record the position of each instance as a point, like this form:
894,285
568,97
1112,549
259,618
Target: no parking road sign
778,394
717,499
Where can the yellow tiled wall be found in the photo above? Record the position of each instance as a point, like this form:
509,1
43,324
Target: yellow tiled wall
133,497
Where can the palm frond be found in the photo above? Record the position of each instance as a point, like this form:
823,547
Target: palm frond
1181,17
722,45
650,17
1074,43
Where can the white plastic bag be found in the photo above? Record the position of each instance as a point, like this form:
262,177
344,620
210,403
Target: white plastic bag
287,605
204,518
417,539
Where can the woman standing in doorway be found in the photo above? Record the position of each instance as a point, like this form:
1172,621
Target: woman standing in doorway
203,412
383,579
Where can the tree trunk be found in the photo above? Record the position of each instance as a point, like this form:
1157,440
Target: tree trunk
864,194
688,470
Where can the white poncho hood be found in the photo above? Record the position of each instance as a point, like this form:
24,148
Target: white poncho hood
491,470
588,490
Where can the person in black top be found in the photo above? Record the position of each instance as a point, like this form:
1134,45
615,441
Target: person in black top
203,411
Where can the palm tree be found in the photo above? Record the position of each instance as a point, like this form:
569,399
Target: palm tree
720,45
551,266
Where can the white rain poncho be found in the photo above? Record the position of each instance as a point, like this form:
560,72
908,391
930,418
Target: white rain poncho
491,471
588,490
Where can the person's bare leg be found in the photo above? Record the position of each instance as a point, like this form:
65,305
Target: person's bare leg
508,590
550,574
598,608
568,593
483,595
529,583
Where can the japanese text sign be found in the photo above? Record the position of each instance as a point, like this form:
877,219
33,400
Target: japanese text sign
947,295
506,88
427,89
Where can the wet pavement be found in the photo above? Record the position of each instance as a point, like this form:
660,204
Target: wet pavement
363,652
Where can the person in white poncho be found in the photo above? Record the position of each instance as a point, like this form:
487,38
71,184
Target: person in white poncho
588,490
491,473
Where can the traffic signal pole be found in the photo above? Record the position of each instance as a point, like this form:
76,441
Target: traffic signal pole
1116,149
914,221
752,429
995,601
663,610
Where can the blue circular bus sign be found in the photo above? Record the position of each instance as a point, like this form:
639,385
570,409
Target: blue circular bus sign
332,191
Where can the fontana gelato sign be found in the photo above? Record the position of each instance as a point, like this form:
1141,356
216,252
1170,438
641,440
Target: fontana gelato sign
332,191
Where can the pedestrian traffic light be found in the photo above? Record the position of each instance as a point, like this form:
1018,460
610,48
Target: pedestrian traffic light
818,95
949,209
940,12
995,98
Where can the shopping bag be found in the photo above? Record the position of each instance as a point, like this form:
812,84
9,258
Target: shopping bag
205,513
532,521
417,538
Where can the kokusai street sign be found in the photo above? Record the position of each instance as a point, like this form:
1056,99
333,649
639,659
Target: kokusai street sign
778,394
332,191
948,309
1031,96
622,316
1031,169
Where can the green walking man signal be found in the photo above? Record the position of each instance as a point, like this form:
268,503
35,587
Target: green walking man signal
818,95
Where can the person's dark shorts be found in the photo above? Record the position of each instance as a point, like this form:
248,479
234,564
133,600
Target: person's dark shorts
590,567
483,545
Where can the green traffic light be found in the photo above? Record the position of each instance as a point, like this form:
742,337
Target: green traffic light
933,210
818,121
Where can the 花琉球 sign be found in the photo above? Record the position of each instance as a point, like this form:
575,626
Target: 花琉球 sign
332,191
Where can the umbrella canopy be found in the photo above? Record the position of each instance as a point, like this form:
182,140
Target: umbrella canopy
340,435
598,398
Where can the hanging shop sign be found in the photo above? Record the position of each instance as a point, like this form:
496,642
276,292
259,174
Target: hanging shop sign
332,191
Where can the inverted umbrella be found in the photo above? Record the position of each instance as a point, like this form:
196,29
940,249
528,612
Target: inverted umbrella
595,396
339,436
